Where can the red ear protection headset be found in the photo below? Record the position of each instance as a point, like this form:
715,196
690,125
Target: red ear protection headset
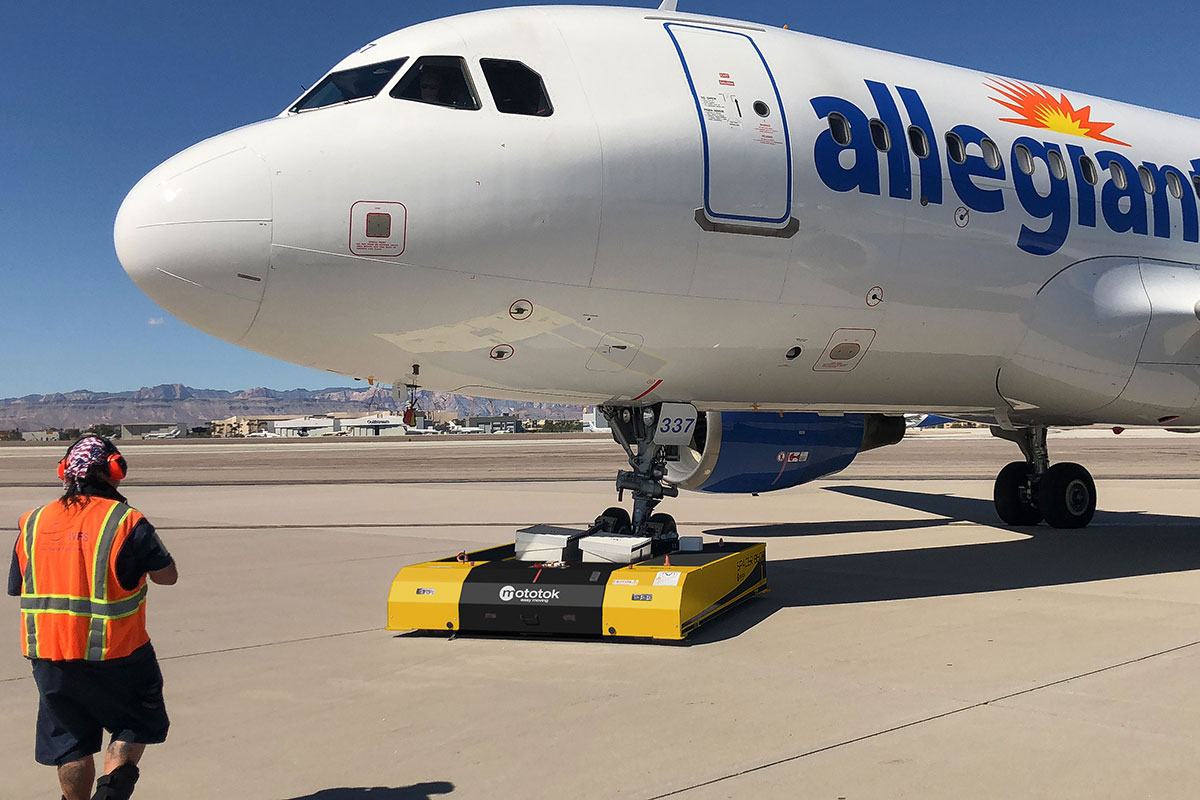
116,468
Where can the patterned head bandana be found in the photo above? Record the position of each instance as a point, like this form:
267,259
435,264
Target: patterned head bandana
83,455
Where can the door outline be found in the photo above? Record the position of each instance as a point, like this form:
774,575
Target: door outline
787,136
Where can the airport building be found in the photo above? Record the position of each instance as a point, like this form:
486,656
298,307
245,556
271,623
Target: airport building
376,425
41,436
308,426
238,426
506,423
153,430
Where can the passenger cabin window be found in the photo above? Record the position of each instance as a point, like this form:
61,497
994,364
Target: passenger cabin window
1174,184
1024,159
1088,168
1058,167
991,153
955,148
516,88
917,141
1119,178
440,81
349,84
879,136
839,128
1147,180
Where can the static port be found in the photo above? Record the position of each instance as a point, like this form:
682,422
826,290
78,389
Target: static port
793,353
761,108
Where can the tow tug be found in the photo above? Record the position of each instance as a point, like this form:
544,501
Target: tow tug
626,576
559,581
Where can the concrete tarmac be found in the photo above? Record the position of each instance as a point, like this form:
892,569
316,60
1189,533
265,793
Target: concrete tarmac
910,646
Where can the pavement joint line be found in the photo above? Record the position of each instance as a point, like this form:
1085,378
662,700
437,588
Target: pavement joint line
240,648
320,526
269,644
933,718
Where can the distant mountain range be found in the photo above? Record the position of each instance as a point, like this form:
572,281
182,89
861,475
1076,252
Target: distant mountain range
193,407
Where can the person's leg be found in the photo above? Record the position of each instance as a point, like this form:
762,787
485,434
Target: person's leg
120,753
75,778
120,771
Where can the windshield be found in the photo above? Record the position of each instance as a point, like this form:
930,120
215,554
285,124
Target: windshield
350,84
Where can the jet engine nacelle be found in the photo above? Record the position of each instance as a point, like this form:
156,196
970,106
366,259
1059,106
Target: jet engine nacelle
741,452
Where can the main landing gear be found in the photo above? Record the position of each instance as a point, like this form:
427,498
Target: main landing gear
635,428
1029,491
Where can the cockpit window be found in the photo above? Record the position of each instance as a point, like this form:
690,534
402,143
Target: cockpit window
349,84
516,88
440,80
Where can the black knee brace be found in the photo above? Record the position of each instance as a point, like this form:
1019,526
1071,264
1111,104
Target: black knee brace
118,784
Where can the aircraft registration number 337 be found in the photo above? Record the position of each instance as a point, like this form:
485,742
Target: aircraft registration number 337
676,424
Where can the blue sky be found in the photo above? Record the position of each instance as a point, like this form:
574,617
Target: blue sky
97,94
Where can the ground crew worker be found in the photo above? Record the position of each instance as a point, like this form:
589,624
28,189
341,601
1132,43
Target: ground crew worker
80,566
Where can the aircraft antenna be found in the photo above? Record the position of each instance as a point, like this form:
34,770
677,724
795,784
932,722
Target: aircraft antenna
668,5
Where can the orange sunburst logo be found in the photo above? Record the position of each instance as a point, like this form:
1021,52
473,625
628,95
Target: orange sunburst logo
1037,108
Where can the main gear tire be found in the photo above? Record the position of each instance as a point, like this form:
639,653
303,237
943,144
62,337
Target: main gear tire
1067,496
1012,497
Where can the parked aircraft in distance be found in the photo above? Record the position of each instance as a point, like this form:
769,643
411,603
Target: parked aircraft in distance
755,248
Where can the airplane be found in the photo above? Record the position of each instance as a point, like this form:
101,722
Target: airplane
754,248
172,434
456,428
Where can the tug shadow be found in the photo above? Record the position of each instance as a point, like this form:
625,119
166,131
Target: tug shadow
418,791
1116,545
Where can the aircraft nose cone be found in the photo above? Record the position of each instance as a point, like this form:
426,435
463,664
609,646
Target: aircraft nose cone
195,235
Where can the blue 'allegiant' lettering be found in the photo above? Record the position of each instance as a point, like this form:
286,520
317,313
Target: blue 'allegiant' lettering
864,175
856,165
1162,207
899,168
1119,220
1085,190
1056,205
973,197
931,165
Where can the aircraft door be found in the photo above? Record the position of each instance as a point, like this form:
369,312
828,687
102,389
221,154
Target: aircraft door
747,150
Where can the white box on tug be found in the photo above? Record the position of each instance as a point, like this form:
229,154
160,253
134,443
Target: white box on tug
547,543
614,549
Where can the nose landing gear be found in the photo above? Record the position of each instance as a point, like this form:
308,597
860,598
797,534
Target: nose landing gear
1026,492
634,430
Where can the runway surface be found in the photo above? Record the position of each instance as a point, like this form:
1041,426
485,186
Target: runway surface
910,646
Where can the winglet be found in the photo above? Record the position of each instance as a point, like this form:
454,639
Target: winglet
668,5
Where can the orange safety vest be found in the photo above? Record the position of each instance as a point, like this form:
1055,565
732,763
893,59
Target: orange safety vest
72,605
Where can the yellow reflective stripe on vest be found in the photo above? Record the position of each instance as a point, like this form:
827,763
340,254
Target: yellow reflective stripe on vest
84,606
28,583
98,629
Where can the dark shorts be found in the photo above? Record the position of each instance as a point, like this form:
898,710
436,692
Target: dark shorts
79,700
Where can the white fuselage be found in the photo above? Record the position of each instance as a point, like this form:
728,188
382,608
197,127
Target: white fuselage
661,236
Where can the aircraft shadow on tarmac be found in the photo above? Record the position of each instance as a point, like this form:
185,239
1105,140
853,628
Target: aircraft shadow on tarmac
418,791
1117,545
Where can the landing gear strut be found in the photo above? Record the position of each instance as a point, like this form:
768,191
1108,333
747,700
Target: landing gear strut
634,428
1029,491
